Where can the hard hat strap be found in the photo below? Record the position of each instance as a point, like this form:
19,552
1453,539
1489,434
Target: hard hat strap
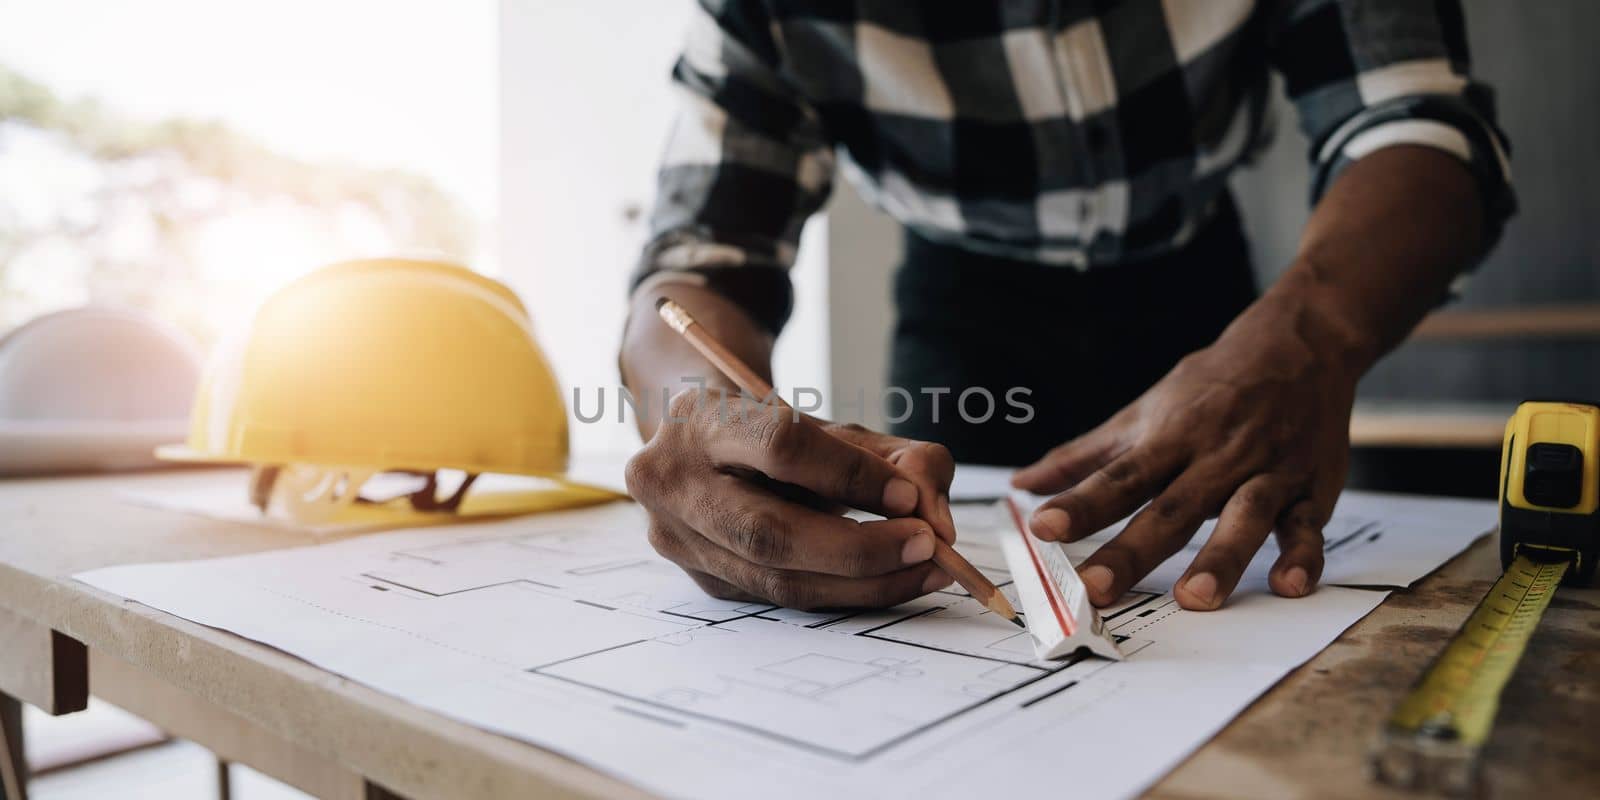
426,498
264,479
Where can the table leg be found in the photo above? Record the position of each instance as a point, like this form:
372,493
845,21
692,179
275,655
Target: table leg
224,780
376,792
13,765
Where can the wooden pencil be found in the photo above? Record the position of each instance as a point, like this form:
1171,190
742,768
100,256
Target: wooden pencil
680,320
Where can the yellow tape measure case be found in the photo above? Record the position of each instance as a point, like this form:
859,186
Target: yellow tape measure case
1550,486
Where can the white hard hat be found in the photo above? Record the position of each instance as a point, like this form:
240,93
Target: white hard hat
92,388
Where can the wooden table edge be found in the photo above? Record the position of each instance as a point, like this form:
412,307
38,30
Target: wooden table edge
330,708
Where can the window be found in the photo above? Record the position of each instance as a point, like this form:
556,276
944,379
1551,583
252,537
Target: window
189,157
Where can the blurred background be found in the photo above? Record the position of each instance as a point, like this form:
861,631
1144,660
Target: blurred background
188,157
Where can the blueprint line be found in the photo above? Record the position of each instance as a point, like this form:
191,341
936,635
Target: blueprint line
1047,695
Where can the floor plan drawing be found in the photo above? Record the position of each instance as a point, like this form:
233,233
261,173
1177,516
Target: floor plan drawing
567,631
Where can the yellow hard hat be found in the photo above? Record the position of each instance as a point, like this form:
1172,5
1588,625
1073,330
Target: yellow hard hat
383,365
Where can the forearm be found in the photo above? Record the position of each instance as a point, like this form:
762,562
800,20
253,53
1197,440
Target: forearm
1379,253
655,358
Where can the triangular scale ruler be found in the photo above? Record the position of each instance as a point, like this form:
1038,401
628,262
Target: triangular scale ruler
1055,603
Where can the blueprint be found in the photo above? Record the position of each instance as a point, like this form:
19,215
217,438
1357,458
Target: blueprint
565,630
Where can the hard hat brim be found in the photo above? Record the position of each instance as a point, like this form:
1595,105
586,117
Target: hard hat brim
184,454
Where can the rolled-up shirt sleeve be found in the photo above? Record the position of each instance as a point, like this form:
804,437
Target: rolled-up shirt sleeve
1370,74
746,164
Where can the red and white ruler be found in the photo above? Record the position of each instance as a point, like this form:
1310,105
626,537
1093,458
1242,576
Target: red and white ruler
1054,602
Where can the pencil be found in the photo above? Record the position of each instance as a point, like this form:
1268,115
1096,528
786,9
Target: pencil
677,318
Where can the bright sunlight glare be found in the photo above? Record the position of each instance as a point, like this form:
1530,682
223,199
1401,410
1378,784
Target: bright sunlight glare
358,85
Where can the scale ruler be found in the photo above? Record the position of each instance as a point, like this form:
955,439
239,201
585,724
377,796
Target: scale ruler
1432,739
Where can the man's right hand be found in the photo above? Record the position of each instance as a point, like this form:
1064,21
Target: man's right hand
746,504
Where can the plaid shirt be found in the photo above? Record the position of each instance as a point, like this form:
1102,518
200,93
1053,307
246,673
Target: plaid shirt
1074,132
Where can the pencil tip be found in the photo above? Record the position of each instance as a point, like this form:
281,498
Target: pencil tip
1000,605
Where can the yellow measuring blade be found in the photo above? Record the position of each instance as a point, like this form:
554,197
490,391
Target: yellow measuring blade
1433,736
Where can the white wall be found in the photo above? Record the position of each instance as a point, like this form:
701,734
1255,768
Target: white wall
585,105
864,248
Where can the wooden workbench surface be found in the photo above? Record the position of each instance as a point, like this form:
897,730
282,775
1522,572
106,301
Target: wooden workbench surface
1305,738
1309,736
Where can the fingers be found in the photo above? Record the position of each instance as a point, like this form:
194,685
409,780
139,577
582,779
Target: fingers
1300,541
1064,466
930,466
720,489
1111,493
927,459
1248,517
723,574
766,530
798,451
1300,560
1152,536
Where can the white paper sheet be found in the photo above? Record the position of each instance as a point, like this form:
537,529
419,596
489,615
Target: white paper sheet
980,483
567,631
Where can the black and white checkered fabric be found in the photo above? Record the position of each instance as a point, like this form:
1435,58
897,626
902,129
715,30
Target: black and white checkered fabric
1074,132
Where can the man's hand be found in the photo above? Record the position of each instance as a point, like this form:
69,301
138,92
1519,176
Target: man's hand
1255,427
745,498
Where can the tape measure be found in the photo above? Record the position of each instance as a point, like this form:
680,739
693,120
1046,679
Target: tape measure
1549,533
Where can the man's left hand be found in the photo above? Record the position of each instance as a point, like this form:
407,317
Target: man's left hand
1254,428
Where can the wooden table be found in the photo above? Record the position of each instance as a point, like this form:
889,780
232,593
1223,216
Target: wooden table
333,738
